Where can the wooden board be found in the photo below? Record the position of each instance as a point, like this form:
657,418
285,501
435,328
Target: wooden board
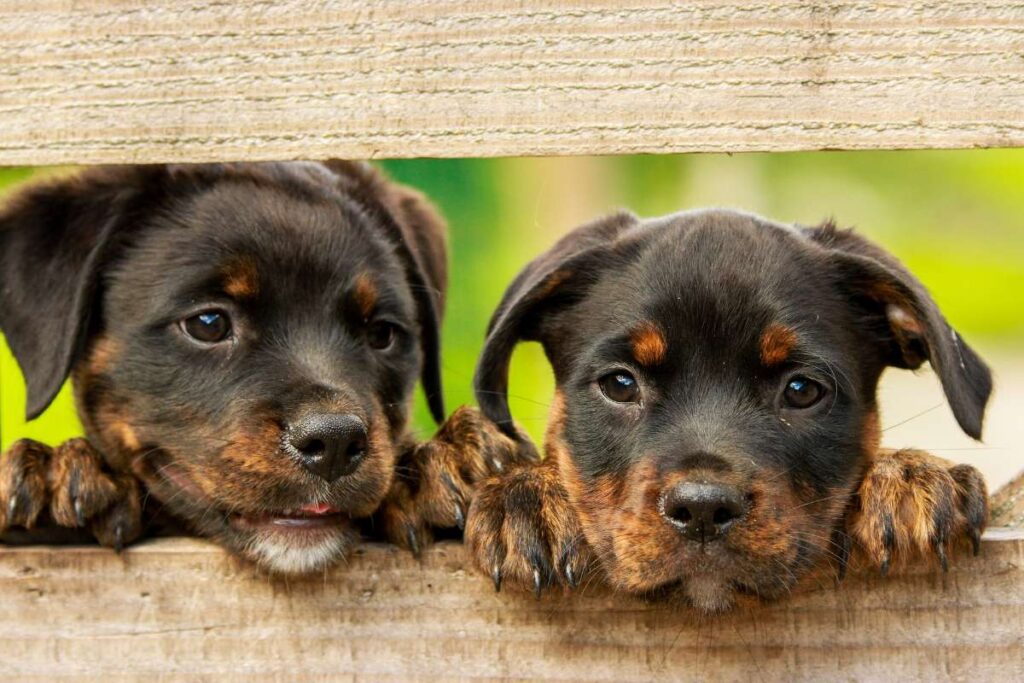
178,609
170,80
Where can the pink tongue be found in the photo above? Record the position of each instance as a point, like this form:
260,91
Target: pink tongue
316,508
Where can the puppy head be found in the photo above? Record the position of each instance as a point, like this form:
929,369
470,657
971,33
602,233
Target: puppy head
716,378
245,338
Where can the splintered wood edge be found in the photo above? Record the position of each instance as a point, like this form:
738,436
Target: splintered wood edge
125,81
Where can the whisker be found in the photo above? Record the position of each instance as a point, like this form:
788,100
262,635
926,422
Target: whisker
913,417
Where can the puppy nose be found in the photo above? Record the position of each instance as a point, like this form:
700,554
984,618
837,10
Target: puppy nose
329,445
703,512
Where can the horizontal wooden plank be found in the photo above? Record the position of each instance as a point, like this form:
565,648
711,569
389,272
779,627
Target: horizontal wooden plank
179,609
164,80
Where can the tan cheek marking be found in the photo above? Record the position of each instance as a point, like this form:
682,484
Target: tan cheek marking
556,420
241,279
104,352
364,294
649,345
777,343
126,434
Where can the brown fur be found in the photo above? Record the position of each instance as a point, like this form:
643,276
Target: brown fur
23,485
242,279
79,488
435,480
649,345
777,342
912,505
364,295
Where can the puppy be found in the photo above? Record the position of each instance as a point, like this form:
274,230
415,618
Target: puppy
715,430
244,341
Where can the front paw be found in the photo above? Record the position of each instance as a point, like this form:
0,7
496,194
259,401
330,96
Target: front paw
69,482
522,530
912,505
434,480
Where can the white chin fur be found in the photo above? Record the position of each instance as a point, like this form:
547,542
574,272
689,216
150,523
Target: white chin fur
281,557
709,593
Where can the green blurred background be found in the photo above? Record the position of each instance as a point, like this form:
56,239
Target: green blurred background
955,217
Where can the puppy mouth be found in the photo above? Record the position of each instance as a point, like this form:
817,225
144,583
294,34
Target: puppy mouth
307,517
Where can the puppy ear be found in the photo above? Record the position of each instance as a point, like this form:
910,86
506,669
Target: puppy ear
54,242
417,229
909,322
547,284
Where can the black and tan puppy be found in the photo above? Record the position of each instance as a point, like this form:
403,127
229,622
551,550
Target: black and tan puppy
715,430
244,342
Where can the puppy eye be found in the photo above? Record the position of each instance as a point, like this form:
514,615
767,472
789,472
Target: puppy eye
380,335
620,386
802,392
208,327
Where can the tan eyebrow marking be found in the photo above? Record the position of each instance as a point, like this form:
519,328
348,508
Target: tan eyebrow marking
648,342
364,294
242,279
777,342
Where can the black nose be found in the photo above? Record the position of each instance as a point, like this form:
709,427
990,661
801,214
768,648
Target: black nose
703,512
328,445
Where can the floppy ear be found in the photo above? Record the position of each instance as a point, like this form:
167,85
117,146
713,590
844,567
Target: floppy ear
909,323
415,227
550,282
55,238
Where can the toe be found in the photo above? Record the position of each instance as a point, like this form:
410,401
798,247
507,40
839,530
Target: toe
23,491
79,488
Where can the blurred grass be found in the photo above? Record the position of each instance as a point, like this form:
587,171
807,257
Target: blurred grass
955,217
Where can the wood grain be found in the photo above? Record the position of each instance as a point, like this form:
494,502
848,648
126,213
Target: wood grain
179,609
171,80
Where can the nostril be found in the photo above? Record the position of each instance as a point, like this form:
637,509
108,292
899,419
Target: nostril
680,513
356,448
313,447
723,516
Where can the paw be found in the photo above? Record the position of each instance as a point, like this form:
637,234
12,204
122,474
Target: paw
522,530
71,484
23,490
912,505
434,480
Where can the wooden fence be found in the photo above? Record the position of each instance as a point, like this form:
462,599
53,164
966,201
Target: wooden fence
98,81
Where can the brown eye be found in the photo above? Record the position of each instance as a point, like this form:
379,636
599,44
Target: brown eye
801,392
380,335
620,386
209,327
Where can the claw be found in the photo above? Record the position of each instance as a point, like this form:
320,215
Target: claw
538,588
975,536
889,540
842,544
12,506
460,518
940,550
79,512
414,544
570,578
496,578
118,539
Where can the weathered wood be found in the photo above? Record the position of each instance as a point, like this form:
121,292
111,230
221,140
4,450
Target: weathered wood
166,80
179,609
1008,504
